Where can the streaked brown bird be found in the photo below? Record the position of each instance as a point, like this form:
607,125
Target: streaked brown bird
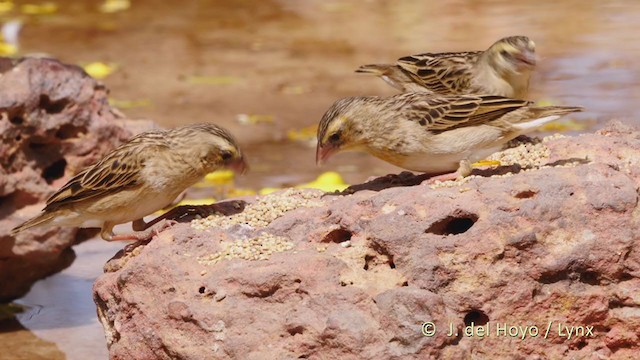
138,178
503,69
429,133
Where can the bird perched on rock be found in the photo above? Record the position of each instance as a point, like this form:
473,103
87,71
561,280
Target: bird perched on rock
429,133
138,178
503,69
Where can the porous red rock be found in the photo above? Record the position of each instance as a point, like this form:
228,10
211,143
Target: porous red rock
54,120
359,275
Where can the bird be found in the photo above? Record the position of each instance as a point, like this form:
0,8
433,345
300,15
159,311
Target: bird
138,178
503,69
429,133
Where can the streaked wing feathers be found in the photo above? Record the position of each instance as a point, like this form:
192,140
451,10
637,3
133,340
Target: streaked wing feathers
117,170
444,73
450,112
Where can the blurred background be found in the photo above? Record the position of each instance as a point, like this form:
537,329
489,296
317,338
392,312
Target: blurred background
268,69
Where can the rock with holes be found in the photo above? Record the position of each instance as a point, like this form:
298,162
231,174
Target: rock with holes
54,120
543,263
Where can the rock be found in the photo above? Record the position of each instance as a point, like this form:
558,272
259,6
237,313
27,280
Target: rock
551,247
54,120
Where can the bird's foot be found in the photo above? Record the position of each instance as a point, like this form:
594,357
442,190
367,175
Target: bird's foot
147,234
444,177
463,171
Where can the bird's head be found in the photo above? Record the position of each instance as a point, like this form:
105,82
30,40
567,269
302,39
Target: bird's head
514,54
216,147
339,128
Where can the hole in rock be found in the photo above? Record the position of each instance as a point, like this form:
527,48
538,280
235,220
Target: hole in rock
590,277
296,330
370,261
54,171
477,317
367,260
405,283
551,277
527,194
453,224
68,131
16,120
202,289
37,145
52,107
337,236
581,344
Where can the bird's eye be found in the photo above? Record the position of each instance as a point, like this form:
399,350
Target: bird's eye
226,155
334,138
504,53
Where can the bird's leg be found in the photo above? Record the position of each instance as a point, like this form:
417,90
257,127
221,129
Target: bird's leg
107,231
464,170
146,234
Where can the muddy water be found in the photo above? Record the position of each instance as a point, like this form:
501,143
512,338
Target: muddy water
213,60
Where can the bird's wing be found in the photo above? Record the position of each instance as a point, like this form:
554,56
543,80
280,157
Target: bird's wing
119,169
444,73
442,113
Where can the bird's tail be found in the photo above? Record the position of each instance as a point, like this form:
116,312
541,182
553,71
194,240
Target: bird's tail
39,220
375,69
544,114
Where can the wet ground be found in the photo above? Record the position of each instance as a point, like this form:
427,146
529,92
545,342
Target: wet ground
287,61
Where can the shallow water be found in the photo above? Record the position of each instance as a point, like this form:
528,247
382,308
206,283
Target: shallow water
212,60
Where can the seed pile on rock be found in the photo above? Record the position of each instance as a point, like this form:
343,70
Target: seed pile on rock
529,156
258,248
266,209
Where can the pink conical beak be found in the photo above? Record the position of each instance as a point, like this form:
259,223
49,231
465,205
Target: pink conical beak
239,166
528,58
323,152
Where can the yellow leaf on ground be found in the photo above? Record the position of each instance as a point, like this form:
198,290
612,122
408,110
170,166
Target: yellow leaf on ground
99,70
111,6
563,125
483,163
328,181
268,190
219,177
6,6
7,49
39,9
306,134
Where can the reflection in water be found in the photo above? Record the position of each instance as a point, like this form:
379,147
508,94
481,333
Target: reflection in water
60,309
291,60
